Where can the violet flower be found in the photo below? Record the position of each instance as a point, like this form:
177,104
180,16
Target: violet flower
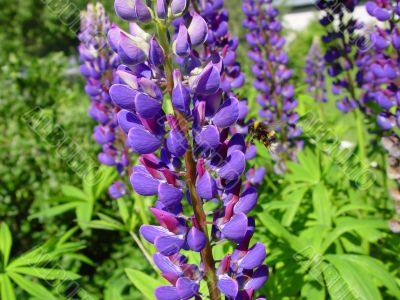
179,114
272,77
98,66
314,70
379,76
344,44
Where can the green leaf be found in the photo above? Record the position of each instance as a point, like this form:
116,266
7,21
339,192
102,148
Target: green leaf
143,282
322,205
346,224
104,177
55,210
375,268
295,198
33,288
84,214
74,192
355,207
46,273
6,288
313,290
105,225
278,230
359,282
123,210
5,242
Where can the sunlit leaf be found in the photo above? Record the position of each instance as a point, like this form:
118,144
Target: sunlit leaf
143,282
5,242
33,288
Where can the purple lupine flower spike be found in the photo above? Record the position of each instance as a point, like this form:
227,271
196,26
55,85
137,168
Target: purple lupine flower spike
180,114
99,66
272,77
314,69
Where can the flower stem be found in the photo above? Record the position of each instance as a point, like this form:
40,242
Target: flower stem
143,249
190,164
360,139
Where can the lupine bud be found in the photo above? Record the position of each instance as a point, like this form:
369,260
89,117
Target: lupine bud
178,7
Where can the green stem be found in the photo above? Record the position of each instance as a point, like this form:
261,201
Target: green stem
361,139
143,249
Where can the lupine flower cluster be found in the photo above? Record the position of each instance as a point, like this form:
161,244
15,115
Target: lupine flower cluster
272,77
344,44
380,78
179,114
314,70
98,66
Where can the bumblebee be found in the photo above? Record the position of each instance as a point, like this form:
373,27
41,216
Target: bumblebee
263,133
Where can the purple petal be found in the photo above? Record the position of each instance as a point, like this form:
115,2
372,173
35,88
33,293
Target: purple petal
169,195
156,53
167,293
196,239
123,96
187,288
228,286
254,258
176,143
236,228
151,232
127,120
143,183
197,30
208,138
113,36
129,50
181,44
233,166
247,201
206,186
169,245
178,6
260,276
227,114
165,264
181,98
142,11
208,81
125,9
147,107
117,190
236,143
161,9
106,159
143,141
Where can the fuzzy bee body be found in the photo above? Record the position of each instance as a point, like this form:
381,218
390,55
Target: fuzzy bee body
261,132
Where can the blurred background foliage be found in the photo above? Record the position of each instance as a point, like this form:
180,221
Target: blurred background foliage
47,206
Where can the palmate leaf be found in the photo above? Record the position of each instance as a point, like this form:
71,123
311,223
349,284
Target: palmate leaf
347,224
295,198
359,283
55,210
6,288
33,288
143,282
307,170
74,192
322,205
5,242
374,268
47,273
278,230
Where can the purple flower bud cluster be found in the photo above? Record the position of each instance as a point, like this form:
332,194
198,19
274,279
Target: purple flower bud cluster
344,43
392,145
314,70
272,76
380,75
98,65
179,114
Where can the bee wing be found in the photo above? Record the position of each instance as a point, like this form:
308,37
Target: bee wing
276,125
273,149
